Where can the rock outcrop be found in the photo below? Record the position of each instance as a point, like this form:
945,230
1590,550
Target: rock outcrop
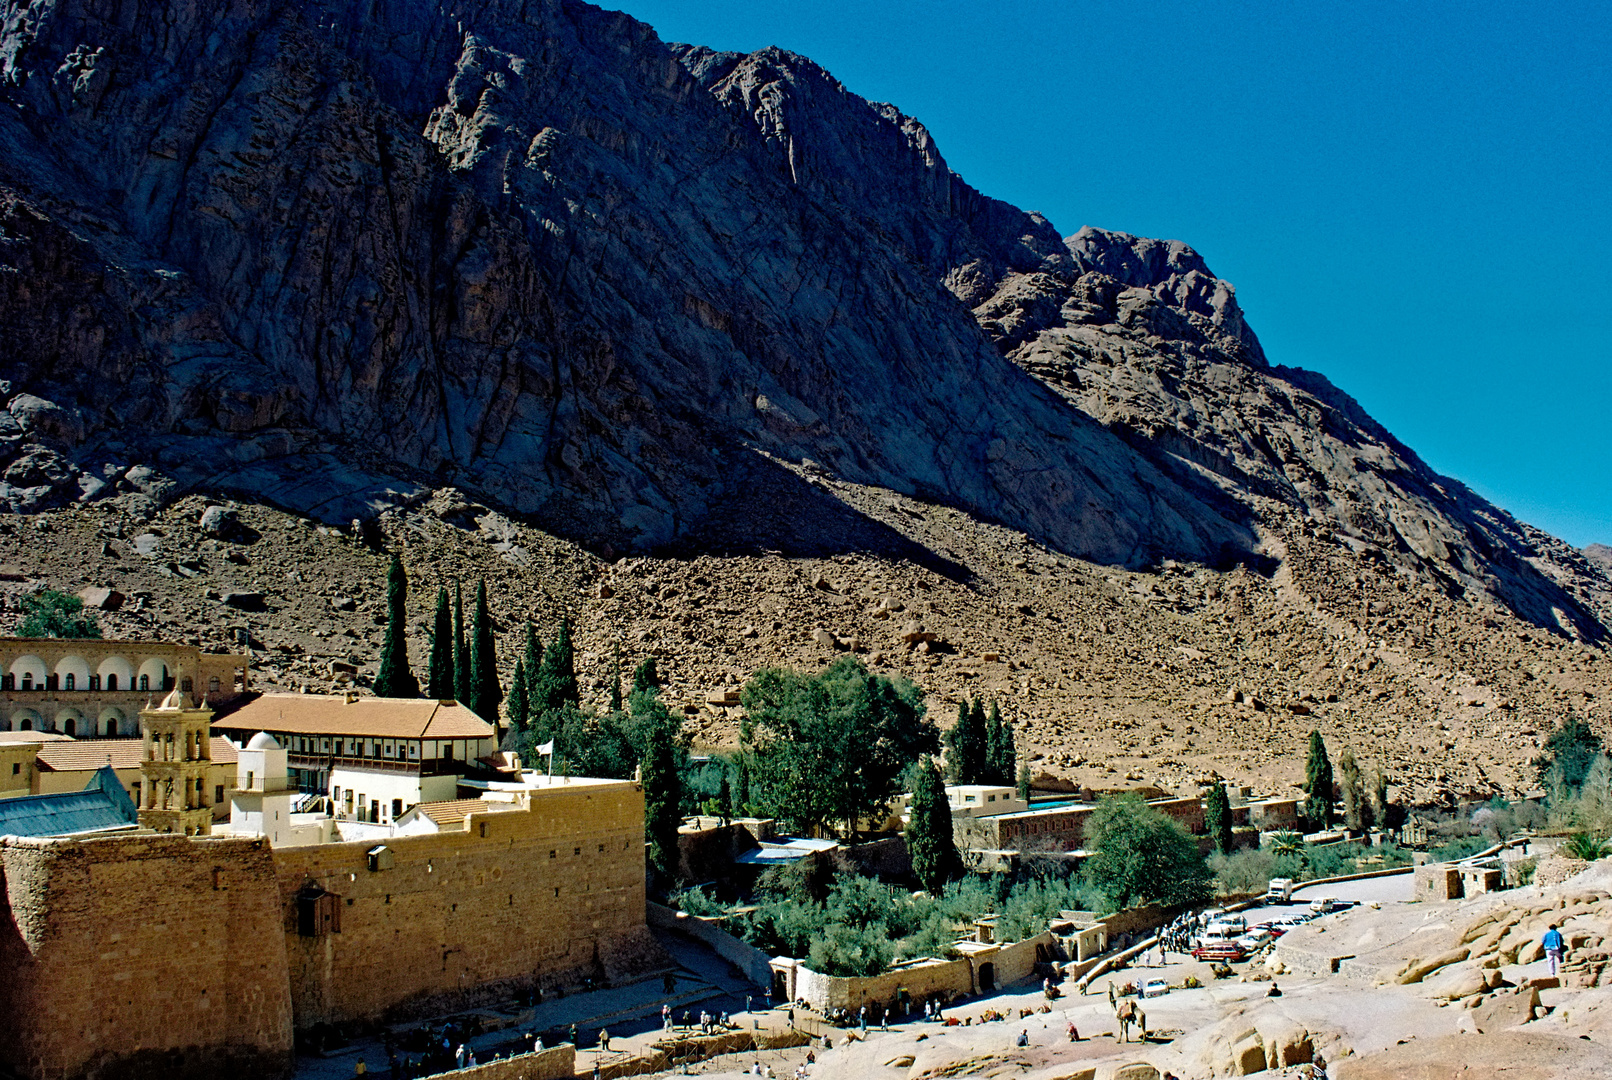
335,258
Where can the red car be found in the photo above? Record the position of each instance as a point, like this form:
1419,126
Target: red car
1226,951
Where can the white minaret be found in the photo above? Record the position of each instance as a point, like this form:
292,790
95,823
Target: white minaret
261,804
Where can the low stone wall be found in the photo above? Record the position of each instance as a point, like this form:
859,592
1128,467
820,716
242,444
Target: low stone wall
756,965
945,979
669,1052
555,1063
886,858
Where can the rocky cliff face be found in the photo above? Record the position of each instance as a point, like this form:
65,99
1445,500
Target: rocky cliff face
335,256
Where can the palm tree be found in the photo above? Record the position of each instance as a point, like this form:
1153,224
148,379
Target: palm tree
1287,843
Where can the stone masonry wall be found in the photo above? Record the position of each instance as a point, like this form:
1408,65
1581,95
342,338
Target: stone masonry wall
134,957
517,899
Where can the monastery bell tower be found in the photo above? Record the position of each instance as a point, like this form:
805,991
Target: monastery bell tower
178,749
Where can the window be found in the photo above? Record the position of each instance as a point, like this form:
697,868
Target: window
218,793
187,685
447,751
145,682
111,728
8,682
212,685
95,682
68,727
990,798
16,767
72,682
397,808
50,682
27,680
112,681
26,725
335,793
577,851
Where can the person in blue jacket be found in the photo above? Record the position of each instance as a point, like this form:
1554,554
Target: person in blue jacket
1553,947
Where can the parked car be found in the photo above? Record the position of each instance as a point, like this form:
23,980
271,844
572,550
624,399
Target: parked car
1227,951
1323,904
1155,988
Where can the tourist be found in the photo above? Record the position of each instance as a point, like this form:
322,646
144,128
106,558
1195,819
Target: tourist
1553,948
1074,1035
360,1069
459,1056
604,1039
1274,991
1024,1037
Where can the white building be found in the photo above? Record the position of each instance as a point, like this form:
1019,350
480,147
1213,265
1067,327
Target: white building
374,757
975,800
261,803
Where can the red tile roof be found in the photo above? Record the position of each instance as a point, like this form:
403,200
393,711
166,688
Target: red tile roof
87,755
335,714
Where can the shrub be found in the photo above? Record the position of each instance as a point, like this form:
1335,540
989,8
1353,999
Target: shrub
1586,846
694,901
1461,847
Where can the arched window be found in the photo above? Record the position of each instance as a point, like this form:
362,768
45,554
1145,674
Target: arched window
112,681
145,682
212,685
27,725
72,682
68,725
50,682
111,728
27,680
95,682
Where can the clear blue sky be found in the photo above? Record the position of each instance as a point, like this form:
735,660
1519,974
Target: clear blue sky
1413,199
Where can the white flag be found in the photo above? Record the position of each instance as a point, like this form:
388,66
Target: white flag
546,748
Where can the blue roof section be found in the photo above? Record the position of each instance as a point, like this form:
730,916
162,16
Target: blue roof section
103,804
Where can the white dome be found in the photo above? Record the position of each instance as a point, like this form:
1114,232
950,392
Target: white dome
174,702
263,741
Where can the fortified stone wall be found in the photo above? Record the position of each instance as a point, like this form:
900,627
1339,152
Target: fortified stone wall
149,956
456,919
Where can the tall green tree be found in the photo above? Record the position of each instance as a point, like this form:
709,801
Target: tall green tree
1141,855
615,678
439,678
485,692
662,780
967,745
394,679
929,830
1377,796
461,648
1217,818
644,676
516,706
556,682
1356,808
831,748
1318,783
52,614
1024,781
1569,751
1001,751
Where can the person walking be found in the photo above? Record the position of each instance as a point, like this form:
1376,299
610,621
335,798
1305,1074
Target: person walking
1074,1035
604,1039
459,1057
1553,948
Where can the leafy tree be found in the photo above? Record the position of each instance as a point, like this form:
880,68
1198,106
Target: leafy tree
661,778
515,706
556,682
52,614
439,679
461,650
1377,796
1024,781
485,692
929,830
741,785
1142,855
1569,751
1217,816
1356,808
1318,783
394,679
832,747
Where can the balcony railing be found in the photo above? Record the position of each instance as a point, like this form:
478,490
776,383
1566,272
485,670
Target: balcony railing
427,767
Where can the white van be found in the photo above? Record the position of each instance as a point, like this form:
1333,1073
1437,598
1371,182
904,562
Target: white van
1279,891
1323,904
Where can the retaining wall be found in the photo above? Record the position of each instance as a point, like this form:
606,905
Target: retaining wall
945,979
756,965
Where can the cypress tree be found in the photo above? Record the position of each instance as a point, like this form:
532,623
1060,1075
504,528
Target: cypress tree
556,682
615,679
461,651
993,749
485,692
1004,751
645,677
1217,817
439,680
969,744
516,706
394,679
929,830
1318,783
1377,796
662,783
1024,781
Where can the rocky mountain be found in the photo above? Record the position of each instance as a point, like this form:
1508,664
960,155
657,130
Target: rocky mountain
654,299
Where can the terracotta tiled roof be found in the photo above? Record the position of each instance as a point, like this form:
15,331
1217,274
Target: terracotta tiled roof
86,755
33,736
385,718
454,811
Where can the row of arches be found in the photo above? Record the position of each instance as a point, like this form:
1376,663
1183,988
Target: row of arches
30,672
110,723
